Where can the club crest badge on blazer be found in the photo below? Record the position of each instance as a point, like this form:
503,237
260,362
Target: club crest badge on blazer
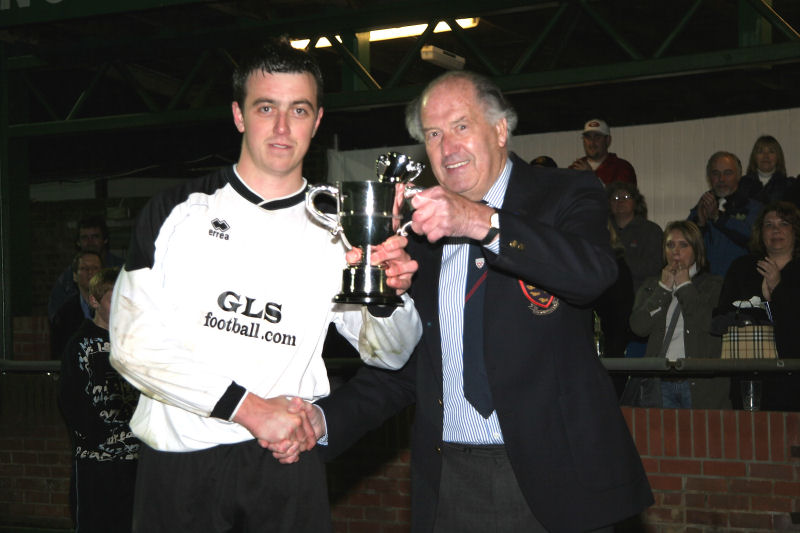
542,303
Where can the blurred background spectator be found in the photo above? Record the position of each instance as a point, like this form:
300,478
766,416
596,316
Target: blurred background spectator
613,309
725,214
674,312
543,161
76,308
92,236
766,179
606,165
770,272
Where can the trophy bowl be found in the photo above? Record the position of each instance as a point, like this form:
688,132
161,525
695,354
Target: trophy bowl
364,217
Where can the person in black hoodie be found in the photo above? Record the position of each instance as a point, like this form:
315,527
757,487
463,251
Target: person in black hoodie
97,404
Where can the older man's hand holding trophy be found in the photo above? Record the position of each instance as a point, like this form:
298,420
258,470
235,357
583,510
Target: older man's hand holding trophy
368,218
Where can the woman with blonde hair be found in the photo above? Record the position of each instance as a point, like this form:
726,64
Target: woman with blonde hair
674,311
766,179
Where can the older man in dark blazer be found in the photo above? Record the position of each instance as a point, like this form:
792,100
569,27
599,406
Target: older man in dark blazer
527,435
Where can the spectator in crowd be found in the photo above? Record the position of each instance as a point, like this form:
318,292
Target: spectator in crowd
770,273
92,236
530,413
77,308
766,179
724,214
613,309
640,237
606,165
97,405
674,312
641,240
544,161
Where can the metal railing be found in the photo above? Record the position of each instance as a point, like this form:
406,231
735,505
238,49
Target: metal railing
624,365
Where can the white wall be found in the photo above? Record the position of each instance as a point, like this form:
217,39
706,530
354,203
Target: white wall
669,158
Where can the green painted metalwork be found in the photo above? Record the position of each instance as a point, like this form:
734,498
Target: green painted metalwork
764,8
472,47
20,12
611,31
6,333
677,30
411,55
535,45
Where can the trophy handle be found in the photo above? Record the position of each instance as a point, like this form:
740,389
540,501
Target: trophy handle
409,192
415,169
403,230
329,221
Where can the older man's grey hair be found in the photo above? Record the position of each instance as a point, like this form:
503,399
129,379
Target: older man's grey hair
713,159
495,105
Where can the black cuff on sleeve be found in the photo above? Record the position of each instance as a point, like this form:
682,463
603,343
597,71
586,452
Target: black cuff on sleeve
226,405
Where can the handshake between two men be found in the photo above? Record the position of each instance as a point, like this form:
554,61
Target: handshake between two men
289,426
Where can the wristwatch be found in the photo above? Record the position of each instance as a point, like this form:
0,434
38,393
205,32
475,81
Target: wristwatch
494,229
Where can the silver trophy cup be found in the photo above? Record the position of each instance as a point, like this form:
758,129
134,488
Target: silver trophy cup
364,217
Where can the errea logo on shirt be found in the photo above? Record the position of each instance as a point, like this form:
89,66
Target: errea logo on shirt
219,229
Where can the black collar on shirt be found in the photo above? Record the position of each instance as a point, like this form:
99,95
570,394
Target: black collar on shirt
273,205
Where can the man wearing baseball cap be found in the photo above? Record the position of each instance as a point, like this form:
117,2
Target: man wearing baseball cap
607,166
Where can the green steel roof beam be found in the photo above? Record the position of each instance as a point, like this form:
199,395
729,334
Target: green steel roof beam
38,96
682,24
411,55
766,11
461,35
6,330
122,68
535,45
540,81
354,64
184,88
52,10
358,45
88,91
605,26
654,68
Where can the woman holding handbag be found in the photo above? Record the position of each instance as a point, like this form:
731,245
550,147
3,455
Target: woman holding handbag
766,285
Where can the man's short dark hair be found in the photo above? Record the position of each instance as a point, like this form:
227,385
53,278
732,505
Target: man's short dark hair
275,56
92,221
77,259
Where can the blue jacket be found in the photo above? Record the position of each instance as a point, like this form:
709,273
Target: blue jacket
726,238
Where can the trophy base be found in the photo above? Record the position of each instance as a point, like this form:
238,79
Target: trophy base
366,286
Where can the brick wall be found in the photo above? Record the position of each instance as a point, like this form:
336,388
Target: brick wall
34,453
31,338
711,471
719,470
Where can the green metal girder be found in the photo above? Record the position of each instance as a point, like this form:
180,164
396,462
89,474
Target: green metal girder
322,22
21,12
6,333
346,22
538,81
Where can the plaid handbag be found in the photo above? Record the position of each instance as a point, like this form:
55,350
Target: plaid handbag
752,341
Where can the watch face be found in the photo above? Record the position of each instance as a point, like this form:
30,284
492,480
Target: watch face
494,220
